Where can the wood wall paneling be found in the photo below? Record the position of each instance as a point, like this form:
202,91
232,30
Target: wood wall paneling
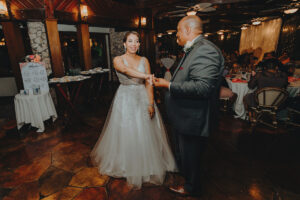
15,47
83,36
55,47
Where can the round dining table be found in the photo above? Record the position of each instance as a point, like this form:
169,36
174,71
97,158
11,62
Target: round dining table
240,87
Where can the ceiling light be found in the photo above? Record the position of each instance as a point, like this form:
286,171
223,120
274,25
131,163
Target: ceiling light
191,12
244,26
256,22
170,32
143,21
291,11
159,35
220,32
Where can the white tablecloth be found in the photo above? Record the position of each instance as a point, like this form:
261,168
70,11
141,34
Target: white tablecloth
241,89
34,109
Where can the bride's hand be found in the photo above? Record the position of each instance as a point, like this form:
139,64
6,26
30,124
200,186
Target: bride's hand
149,78
151,111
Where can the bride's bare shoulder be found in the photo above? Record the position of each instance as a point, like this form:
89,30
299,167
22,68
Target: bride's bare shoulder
118,58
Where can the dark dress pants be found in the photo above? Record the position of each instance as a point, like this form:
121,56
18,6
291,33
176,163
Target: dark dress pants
191,152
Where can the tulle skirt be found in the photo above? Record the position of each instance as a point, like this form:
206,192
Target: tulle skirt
131,144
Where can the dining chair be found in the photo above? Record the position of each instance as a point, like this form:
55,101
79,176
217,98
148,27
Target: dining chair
269,101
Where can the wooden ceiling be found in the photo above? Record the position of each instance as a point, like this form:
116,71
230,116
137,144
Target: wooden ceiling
228,14
122,13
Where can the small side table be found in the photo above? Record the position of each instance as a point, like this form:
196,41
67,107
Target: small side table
34,109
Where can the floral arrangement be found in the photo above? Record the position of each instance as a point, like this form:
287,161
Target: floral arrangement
33,58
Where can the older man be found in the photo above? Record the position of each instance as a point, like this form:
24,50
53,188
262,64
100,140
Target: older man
192,99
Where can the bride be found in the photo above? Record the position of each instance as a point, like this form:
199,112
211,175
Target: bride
133,143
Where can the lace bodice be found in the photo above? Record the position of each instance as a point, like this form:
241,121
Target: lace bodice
127,80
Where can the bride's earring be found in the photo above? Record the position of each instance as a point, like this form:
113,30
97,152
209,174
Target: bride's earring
125,49
138,51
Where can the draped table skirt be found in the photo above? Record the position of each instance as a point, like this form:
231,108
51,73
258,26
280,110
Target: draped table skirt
34,109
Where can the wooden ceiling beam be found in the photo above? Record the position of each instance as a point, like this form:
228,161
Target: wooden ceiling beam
30,14
63,4
49,10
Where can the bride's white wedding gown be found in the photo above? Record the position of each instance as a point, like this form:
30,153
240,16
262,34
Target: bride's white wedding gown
131,144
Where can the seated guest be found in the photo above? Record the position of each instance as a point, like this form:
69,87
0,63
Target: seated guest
269,55
288,68
253,63
284,58
269,77
236,68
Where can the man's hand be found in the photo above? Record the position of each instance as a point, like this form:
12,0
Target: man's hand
160,82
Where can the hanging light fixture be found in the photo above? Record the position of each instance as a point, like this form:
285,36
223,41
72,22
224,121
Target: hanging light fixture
159,35
291,10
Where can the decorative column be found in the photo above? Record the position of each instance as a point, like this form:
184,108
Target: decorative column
83,36
53,39
117,47
39,44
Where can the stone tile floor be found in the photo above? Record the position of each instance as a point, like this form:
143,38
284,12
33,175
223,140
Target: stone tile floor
240,163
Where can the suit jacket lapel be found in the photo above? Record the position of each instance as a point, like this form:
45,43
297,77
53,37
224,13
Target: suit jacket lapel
178,66
184,57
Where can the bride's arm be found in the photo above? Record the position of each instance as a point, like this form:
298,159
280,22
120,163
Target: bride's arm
149,89
122,68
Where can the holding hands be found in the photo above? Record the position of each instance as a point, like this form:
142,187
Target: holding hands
160,82
157,82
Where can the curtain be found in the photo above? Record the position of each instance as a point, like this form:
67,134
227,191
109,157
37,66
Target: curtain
261,38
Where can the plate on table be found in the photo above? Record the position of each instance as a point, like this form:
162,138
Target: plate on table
105,70
237,80
54,80
85,72
98,69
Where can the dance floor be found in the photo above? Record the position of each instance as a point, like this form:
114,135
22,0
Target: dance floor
240,164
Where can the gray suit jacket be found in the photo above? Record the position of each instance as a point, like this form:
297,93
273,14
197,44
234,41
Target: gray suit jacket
194,90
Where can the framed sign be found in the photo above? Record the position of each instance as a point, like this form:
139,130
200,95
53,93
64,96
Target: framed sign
34,75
